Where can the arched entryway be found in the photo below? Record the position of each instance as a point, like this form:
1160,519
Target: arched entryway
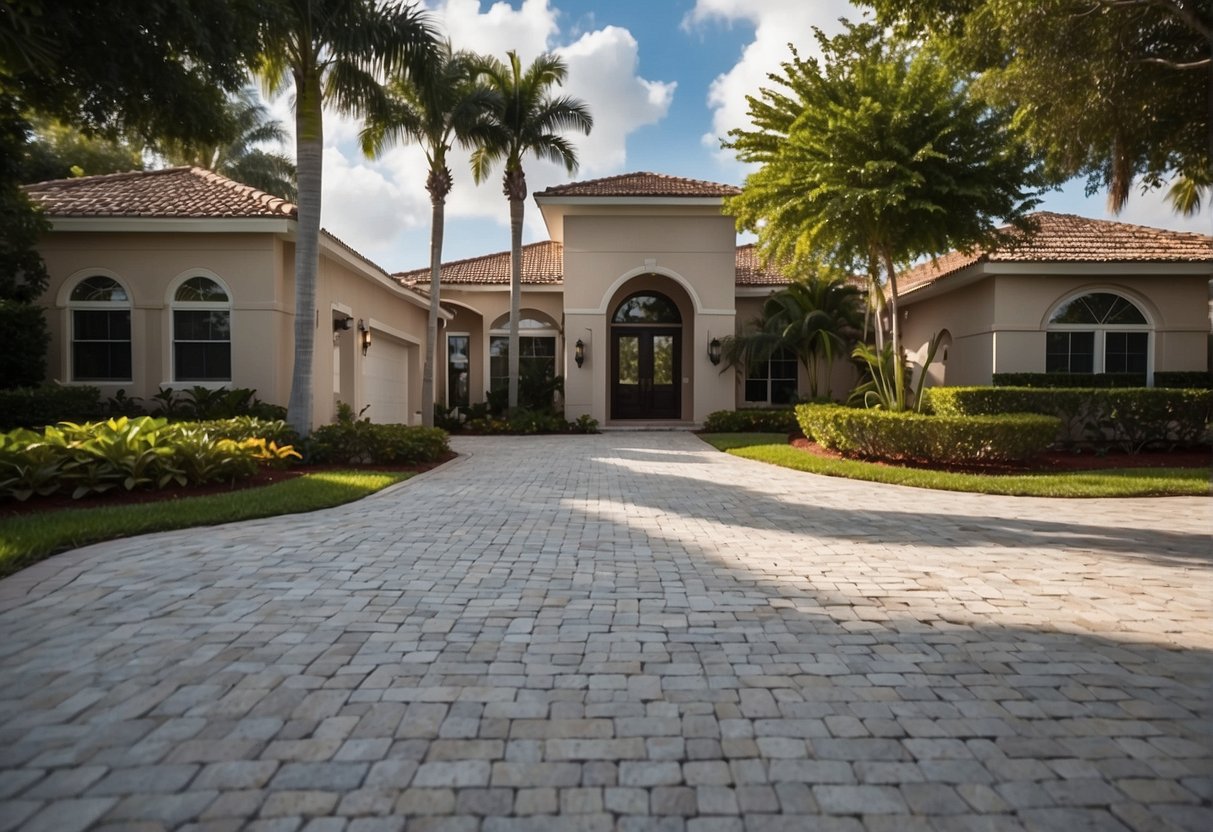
646,336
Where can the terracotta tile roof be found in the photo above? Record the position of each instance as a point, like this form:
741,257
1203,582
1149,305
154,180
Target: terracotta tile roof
542,264
642,184
751,271
1066,238
180,193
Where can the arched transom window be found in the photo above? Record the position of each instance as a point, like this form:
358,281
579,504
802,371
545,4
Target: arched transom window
202,331
647,308
100,330
1100,332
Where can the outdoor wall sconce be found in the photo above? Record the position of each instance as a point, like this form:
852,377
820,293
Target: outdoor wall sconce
579,352
342,324
714,347
364,335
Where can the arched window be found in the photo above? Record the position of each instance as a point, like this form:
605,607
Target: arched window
100,330
202,331
1099,332
536,349
647,308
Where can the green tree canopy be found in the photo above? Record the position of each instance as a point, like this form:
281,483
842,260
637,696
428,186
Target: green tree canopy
873,157
59,151
523,120
1114,90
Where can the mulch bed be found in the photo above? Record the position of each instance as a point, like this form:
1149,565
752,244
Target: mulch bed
1048,461
266,476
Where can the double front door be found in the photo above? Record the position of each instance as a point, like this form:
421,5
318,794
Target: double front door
646,367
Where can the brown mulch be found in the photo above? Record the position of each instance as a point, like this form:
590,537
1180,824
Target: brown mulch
264,477
1048,461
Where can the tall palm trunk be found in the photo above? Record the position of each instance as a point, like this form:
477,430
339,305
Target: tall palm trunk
899,376
515,189
439,185
309,131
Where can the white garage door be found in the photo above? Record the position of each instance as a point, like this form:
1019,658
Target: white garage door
385,381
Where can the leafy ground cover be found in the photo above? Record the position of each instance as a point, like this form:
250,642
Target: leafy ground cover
33,535
775,449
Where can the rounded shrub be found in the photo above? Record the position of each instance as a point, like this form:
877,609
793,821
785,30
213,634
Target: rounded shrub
769,420
955,440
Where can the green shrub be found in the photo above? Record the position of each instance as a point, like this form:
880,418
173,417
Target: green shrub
139,453
1190,380
1131,419
34,407
769,420
902,435
1070,380
240,428
528,422
350,441
25,337
206,403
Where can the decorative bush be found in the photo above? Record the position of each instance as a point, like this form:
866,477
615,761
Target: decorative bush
1194,380
250,427
528,422
206,403
34,407
1132,419
768,420
902,435
359,442
1070,380
144,452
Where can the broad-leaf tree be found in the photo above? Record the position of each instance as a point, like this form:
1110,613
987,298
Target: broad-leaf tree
814,319
436,104
237,153
524,120
1115,90
876,154
58,151
332,52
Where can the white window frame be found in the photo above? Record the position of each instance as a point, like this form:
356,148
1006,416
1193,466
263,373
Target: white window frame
73,306
501,328
1099,345
173,306
745,380
446,365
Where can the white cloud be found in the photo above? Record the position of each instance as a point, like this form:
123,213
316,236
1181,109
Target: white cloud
776,24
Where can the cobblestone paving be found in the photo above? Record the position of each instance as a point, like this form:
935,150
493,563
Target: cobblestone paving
623,632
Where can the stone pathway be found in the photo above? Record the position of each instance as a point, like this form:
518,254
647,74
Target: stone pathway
624,632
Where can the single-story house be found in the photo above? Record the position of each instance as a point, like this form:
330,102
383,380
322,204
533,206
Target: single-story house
179,277
182,277
1077,296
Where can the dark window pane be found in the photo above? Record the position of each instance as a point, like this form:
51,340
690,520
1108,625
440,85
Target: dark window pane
1070,352
201,289
756,390
101,361
783,391
1125,352
101,325
647,308
202,361
201,325
1124,312
1098,308
99,289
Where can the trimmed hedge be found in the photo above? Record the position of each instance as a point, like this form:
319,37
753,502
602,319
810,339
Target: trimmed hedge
139,453
766,420
35,407
349,442
873,433
1070,380
1189,380
1132,419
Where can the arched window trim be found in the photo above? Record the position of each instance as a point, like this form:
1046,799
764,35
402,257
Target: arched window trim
174,306
1101,330
72,306
646,293
501,325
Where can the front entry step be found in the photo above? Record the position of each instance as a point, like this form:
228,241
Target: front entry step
621,426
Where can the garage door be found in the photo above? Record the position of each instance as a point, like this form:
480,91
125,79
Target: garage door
385,381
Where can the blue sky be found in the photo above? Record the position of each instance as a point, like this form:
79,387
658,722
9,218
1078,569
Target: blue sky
664,80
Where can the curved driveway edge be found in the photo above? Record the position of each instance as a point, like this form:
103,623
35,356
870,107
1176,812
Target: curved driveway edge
628,632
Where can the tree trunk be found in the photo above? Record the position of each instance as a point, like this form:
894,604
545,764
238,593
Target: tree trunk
899,376
438,186
309,150
515,189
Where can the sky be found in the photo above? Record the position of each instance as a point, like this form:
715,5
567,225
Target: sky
664,81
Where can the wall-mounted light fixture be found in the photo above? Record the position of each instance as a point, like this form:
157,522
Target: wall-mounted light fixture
714,347
364,335
579,352
342,324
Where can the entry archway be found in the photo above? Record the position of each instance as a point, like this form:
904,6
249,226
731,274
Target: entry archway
646,357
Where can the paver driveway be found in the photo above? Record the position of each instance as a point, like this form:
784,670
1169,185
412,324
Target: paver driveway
630,632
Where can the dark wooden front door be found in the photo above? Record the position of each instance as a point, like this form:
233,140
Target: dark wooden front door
646,372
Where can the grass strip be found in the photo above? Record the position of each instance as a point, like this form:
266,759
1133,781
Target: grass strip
29,538
773,448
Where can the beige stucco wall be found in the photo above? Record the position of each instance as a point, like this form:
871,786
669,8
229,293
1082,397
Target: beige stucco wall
998,324
258,270
686,253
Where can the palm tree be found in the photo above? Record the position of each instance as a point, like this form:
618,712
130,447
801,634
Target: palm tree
811,319
523,120
332,51
237,155
435,104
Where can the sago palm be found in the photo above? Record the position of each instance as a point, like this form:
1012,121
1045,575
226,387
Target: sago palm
436,104
333,52
524,120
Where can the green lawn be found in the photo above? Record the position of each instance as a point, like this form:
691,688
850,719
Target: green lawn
1116,482
28,538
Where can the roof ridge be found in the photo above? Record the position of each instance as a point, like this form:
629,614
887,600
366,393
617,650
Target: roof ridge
96,177
477,257
1120,223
